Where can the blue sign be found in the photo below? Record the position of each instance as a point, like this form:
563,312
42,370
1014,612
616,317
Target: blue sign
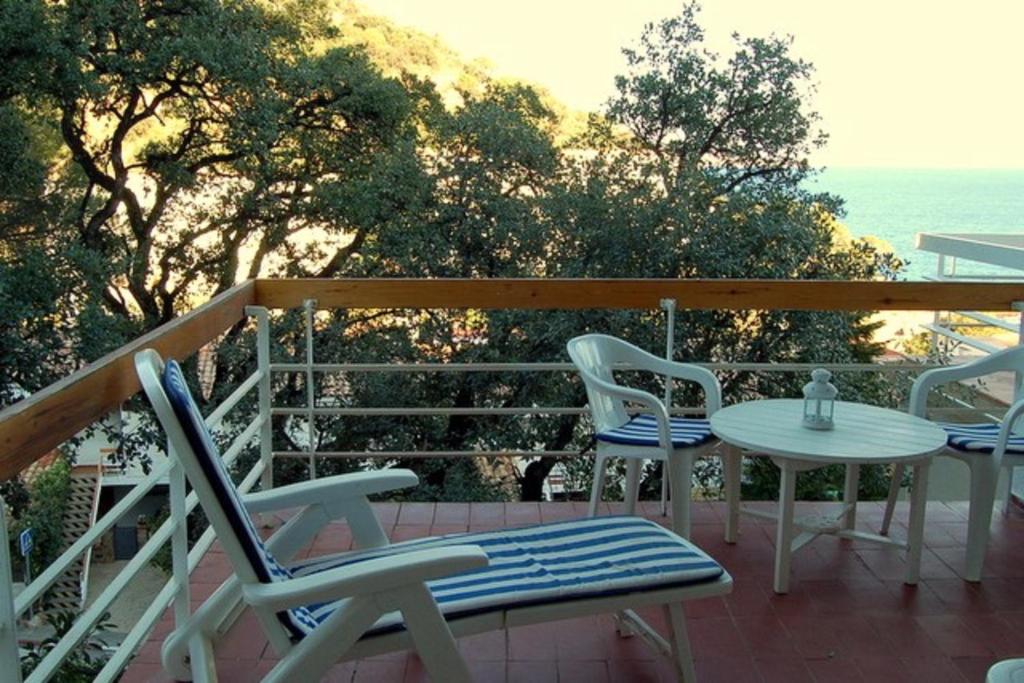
26,542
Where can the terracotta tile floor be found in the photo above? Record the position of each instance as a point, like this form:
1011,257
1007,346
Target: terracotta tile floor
849,616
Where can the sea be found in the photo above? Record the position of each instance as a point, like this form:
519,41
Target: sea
897,204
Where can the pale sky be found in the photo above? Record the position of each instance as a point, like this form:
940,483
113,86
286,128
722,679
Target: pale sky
901,83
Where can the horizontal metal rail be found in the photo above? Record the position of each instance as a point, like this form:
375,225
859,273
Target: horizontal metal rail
901,366
987,321
962,338
420,412
424,454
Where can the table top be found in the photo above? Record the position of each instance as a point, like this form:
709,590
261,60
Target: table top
862,433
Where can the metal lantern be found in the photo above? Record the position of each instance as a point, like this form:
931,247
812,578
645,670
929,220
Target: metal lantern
819,400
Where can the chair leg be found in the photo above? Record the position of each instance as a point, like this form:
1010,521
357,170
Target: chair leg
890,503
664,490
633,468
682,656
434,642
680,468
1008,498
983,492
598,486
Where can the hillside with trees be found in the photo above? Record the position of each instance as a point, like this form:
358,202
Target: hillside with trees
156,152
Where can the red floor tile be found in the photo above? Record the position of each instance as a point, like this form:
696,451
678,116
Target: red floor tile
452,513
735,669
835,671
953,636
533,672
416,513
582,672
783,670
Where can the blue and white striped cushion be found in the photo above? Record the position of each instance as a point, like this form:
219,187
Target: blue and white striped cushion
263,563
591,557
979,438
642,430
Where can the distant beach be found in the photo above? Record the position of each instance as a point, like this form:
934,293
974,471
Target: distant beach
896,204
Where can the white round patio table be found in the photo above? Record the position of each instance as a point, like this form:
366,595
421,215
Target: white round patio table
863,434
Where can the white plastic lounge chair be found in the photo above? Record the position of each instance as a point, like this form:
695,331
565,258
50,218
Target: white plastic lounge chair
1006,671
984,447
653,434
419,593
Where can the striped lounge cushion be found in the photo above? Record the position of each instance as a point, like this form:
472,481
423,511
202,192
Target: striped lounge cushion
555,562
642,430
263,563
979,438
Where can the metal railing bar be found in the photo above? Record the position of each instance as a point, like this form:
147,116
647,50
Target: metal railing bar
418,412
237,395
126,650
560,366
963,339
426,412
973,278
987,321
242,440
424,454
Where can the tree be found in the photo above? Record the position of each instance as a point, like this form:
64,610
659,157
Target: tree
698,175
196,160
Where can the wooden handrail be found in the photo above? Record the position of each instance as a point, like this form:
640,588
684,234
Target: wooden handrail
822,295
33,427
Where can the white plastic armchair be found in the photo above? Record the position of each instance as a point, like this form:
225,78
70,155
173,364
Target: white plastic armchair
985,448
651,434
422,593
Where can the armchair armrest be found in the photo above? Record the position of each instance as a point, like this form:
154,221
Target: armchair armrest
366,578
692,373
329,490
644,360
645,399
1008,359
1013,414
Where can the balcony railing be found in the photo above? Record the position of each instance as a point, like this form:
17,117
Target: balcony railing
35,426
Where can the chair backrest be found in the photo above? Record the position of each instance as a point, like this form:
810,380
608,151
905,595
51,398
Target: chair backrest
191,443
595,356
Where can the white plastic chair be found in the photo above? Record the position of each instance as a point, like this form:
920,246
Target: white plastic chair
420,593
653,434
984,447
1006,671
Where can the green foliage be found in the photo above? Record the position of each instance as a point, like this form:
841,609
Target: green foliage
197,524
83,663
44,514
